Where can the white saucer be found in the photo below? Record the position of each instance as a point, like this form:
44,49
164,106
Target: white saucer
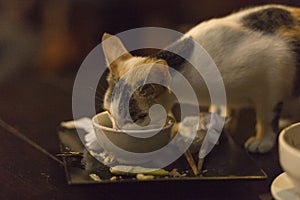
282,188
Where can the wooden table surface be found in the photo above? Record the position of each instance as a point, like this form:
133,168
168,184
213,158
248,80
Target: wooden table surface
31,107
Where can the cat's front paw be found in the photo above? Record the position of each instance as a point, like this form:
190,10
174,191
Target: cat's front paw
257,145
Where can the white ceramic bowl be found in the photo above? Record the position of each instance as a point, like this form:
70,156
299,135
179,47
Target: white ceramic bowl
289,153
124,145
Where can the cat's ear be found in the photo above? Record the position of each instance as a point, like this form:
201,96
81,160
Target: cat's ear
114,51
175,55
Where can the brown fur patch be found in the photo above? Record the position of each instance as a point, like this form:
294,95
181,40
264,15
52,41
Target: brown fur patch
122,70
291,33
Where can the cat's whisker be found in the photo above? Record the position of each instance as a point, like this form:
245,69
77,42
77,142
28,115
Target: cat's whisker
98,98
98,95
96,90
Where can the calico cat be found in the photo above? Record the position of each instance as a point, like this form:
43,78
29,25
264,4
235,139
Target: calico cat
257,51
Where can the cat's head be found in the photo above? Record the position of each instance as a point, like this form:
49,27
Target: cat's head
126,74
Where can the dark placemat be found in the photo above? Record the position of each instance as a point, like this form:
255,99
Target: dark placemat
227,161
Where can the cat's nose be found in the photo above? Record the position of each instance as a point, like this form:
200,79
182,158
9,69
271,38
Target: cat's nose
121,123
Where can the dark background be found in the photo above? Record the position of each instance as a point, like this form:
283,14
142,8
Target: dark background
42,44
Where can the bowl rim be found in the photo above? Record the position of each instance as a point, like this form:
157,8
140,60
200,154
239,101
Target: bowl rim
285,144
95,123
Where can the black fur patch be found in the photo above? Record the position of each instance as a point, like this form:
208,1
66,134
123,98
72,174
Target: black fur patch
275,121
268,20
176,54
134,109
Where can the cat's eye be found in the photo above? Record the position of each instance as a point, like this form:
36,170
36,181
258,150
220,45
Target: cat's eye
147,90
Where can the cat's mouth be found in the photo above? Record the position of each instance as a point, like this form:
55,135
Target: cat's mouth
138,123
139,120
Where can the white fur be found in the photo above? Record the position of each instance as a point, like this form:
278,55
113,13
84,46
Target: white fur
257,70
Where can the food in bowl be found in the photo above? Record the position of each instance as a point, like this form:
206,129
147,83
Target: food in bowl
120,142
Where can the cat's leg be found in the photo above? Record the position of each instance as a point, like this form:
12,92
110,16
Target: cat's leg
233,114
267,116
